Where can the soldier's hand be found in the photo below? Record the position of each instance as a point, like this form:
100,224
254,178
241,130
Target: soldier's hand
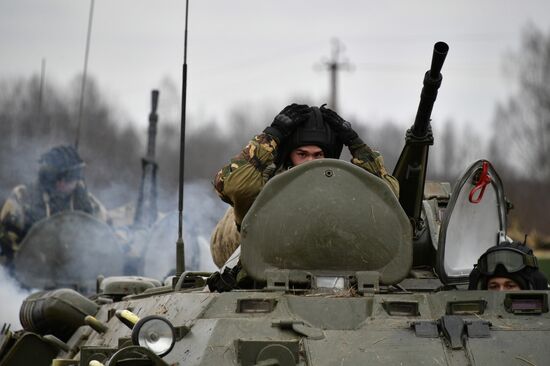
287,120
222,282
346,134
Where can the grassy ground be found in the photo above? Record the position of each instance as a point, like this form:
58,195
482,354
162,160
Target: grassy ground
545,266
544,262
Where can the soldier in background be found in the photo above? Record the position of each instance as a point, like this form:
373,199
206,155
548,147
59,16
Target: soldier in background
60,187
507,267
298,134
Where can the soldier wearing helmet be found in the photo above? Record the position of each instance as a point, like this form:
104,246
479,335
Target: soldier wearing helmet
507,267
298,134
60,187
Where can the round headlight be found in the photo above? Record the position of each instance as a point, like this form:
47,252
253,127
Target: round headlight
155,333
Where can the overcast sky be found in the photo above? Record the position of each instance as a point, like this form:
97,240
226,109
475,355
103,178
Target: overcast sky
264,52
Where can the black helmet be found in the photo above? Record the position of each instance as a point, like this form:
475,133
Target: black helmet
60,162
314,131
510,260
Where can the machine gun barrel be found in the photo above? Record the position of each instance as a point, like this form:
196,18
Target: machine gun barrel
411,167
153,119
146,209
432,82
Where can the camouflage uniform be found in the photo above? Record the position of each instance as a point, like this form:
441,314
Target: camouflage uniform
240,182
225,238
28,204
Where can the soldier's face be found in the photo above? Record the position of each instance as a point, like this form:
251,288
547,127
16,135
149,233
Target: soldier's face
65,187
502,284
307,153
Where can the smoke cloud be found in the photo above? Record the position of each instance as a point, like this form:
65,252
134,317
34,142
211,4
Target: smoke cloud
12,296
202,210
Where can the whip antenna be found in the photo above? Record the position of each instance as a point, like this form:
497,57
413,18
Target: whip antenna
41,92
83,87
180,252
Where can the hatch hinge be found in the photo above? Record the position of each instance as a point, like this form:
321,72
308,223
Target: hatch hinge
425,329
278,280
300,327
285,279
478,328
454,328
368,282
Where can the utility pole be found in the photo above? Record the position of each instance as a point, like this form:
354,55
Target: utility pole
333,66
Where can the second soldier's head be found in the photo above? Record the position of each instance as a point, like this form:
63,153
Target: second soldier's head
507,267
61,168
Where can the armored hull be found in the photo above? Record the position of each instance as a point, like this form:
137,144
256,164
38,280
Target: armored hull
251,327
370,305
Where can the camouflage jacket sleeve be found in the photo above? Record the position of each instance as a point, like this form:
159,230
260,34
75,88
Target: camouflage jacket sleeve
370,160
239,182
12,221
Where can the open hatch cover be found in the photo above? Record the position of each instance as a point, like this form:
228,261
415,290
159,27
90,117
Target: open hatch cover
68,249
327,217
475,220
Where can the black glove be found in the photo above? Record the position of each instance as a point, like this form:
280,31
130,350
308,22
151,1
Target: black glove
346,134
287,120
224,281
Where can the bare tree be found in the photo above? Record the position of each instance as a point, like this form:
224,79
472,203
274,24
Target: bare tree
111,149
520,147
522,124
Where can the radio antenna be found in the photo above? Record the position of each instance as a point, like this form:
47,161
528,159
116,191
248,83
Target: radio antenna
41,92
83,87
180,251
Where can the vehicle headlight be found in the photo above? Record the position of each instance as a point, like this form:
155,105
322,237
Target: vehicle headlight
155,333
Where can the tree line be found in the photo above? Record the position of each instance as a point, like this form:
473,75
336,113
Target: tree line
31,122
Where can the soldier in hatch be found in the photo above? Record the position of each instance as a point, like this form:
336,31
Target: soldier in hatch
298,134
60,187
507,267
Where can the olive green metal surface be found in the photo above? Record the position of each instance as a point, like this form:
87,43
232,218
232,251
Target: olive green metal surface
327,217
69,249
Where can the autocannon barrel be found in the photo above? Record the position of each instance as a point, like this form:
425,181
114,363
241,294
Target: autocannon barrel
412,165
146,209
153,119
154,101
432,82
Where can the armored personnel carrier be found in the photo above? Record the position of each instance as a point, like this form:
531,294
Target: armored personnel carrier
340,272
71,248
